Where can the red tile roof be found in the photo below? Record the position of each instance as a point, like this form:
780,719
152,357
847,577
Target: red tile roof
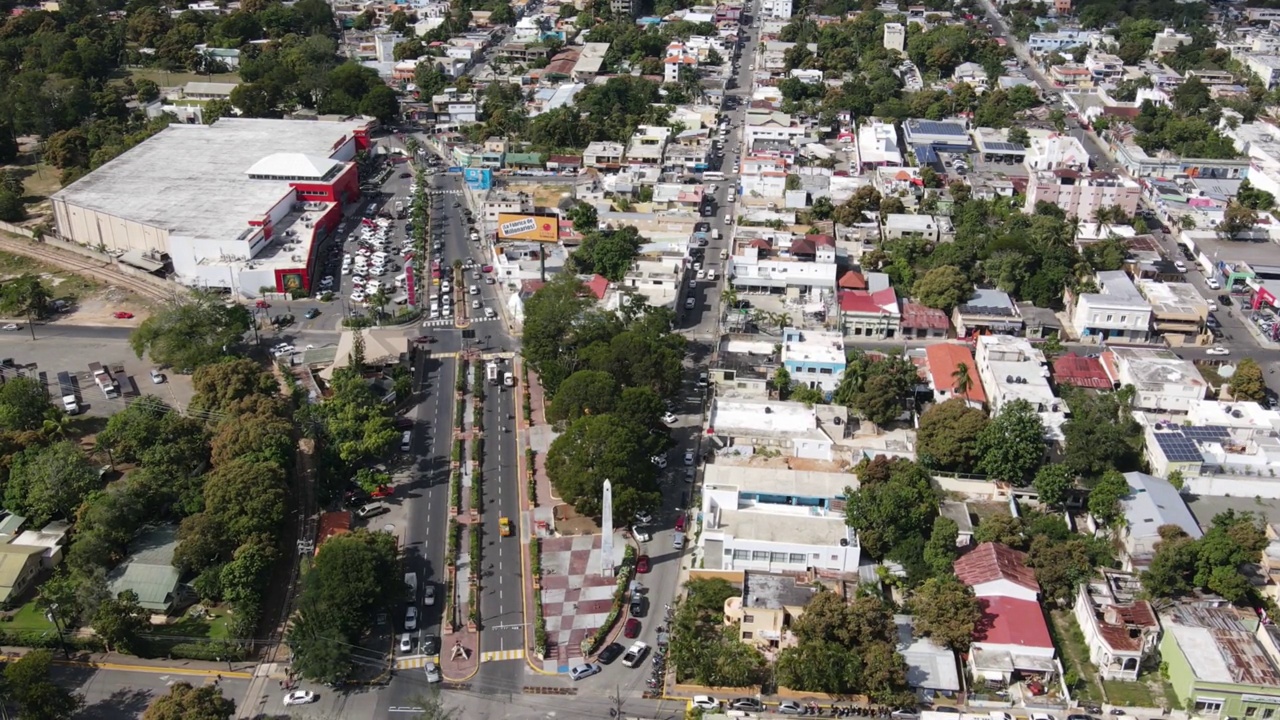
861,301
598,285
917,316
1086,372
820,240
332,523
944,359
852,280
1009,621
1117,619
993,561
565,160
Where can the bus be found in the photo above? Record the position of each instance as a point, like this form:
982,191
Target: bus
713,176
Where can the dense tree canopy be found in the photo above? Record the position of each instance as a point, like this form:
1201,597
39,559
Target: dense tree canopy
184,702
894,501
49,482
1012,446
1212,562
948,435
198,329
703,649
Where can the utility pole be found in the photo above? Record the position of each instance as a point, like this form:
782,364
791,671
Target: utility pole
616,699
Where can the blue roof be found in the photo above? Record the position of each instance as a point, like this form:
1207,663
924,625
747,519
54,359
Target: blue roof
934,127
926,155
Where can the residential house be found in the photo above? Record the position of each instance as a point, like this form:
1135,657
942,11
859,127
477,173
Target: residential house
149,572
815,358
769,603
648,144
944,362
869,314
1013,636
923,323
1165,382
1120,630
930,228
1117,313
792,429
987,311
1178,310
19,568
603,155
1220,661
931,668
1152,503
1082,372
1014,369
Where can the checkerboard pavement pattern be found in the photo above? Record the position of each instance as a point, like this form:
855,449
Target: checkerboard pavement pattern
575,598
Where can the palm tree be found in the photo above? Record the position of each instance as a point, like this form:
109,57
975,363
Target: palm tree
55,426
963,382
379,300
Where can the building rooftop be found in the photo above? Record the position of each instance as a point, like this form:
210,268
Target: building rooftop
1167,298
1012,621
995,561
755,480
929,665
149,571
810,346
1218,647
191,179
1153,502
990,302
774,591
772,418
945,360
1085,372
1149,367
785,528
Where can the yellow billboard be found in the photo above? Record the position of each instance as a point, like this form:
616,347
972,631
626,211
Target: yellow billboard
535,228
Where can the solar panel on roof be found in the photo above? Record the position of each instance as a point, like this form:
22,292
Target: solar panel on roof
1004,147
1206,432
1177,448
933,127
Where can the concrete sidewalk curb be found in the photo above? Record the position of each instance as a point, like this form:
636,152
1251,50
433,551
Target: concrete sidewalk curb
104,661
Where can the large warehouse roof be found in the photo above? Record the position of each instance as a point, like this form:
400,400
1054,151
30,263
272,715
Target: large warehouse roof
191,179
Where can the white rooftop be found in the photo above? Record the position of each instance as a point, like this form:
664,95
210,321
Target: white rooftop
1173,298
293,165
724,474
799,528
813,346
738,417
190,179
1233,415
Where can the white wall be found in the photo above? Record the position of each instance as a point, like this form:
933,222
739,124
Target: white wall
1004,588
93,227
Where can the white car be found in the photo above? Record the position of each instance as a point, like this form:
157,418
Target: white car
670,418
643,518
326,281
490,313
1180,266
429,595
1217,350
705,702
473,290
688,457
357,297
11,327
432,671
475,304
300,697
411,617
660,461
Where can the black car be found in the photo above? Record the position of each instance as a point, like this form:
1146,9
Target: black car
1224,300
430,645
311,313
637,606
406,174
702,227
611,652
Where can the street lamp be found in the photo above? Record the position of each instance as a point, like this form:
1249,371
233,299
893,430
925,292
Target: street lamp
52,614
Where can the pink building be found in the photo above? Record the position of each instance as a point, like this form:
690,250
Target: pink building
1081,194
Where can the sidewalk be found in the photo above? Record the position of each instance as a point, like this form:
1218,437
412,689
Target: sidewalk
531,597
129,663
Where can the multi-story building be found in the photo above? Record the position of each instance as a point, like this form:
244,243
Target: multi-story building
1081,195
776,9
603,154
1116,313
772,266
1043,43
769,603
895,37
1265,67
1165,382
647,145
776,520
814,358
1013,369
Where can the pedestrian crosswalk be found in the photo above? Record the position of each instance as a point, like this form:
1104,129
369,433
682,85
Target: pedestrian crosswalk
497,655
411,662
449,322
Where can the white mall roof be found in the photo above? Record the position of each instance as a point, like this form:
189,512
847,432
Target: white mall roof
292,165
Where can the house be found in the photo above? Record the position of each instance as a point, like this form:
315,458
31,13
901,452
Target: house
924,227
19,567
769,603
1151,504
931,668
958,512
149,572
1119,630
815,358
872,312
945,360
922,323
332,523
1012,638
970,73
602,154
1082,372
1164,381
792,428
987,311
1221,662
1014,369
1117,313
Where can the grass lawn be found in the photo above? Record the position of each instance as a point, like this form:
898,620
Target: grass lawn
176,79
41,182
65,285
1075,656
193,629
1129,694
29,617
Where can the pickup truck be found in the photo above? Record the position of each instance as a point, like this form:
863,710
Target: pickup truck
635,654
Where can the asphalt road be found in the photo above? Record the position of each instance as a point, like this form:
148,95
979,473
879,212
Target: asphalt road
125,695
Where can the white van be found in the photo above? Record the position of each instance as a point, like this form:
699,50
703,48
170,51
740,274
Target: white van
711,275
406,441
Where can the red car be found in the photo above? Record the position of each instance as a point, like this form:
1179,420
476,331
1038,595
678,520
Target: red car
680,522
382,491
122,315
486,268
642,564
424,340
263,304
632,628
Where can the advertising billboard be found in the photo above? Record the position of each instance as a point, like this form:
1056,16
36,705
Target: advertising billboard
478,178
535,228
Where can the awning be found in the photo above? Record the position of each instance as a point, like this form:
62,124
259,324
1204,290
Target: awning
137,259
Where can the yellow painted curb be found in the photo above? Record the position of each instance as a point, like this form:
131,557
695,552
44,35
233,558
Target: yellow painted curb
159,670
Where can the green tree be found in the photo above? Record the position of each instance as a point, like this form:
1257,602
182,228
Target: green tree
1052,483
1018,134
191,331
120,621
586,392
247,498
607,252
1101,433
25,295
782,382
948,435
1012,445
819,666
559,316
356,421
1105,497
1061,566
12,208
945,610
584,217
1248,382
49,482
940,550
28,682
598,448
894,501
223,384
381,102
943,287
184,702
24,404
1003,529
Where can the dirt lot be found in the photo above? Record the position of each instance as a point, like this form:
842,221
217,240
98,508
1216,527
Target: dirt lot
93,303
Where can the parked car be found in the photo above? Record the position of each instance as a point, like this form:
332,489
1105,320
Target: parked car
642,564
631,629
1217,350
430,645
300,697
611,652
432,671
670,418
411,618
790,707
585,670
688,457
406,642
705,702
746,703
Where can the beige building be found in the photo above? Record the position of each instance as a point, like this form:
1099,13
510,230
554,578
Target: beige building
767,607
1080,194
1178,311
